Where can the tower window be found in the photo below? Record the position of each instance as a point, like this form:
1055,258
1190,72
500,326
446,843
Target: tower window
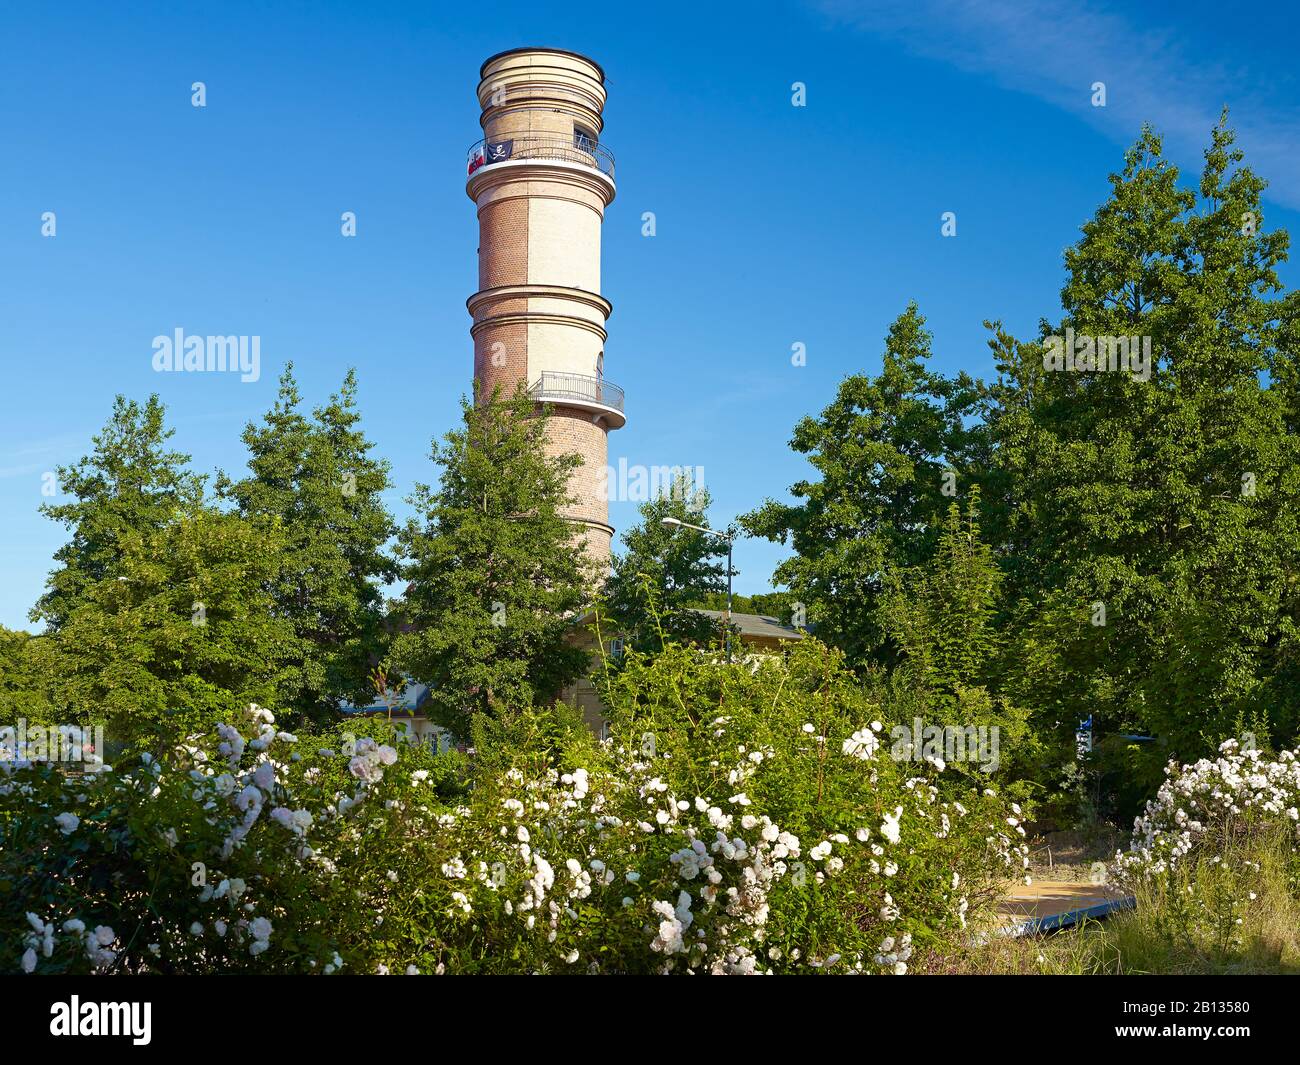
584,139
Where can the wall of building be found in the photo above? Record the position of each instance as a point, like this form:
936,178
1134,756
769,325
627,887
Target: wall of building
539,308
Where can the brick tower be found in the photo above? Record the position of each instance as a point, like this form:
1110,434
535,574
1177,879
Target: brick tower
541,181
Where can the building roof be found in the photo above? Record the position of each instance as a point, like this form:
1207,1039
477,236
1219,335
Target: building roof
756,624
482,70
412,699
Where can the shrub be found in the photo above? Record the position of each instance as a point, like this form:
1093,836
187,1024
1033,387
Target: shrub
1215,874
736,821
1215,804
1216,847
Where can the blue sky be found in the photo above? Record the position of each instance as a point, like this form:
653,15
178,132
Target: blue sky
775,224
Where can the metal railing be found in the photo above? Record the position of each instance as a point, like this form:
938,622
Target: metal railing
554,387
549,146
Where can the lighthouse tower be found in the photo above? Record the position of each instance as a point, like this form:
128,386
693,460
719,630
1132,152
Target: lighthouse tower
541,181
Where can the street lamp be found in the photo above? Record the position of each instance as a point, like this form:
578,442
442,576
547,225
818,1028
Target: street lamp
730,537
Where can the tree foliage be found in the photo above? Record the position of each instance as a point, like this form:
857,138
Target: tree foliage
882,450
183,634
314,479
665,570
496,575
1157,519
130,483
1140,516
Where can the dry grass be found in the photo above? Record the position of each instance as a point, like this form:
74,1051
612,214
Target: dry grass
1069,855
1213,928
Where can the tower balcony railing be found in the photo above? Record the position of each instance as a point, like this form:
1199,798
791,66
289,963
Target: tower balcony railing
541,146
578,390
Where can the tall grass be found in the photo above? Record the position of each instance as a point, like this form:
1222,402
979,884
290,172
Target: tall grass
1234,912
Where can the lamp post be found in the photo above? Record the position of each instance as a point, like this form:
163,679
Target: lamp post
730,537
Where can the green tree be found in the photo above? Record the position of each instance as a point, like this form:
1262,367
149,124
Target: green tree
24,676
1156,511
130,484
315,480
665,570
496,575
882,450
775,604
182,635
158,616
943,615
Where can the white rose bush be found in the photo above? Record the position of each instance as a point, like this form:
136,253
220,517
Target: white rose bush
1216,803
738,820
1218,845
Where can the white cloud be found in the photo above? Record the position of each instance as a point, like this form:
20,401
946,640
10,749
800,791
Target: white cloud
1054,51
